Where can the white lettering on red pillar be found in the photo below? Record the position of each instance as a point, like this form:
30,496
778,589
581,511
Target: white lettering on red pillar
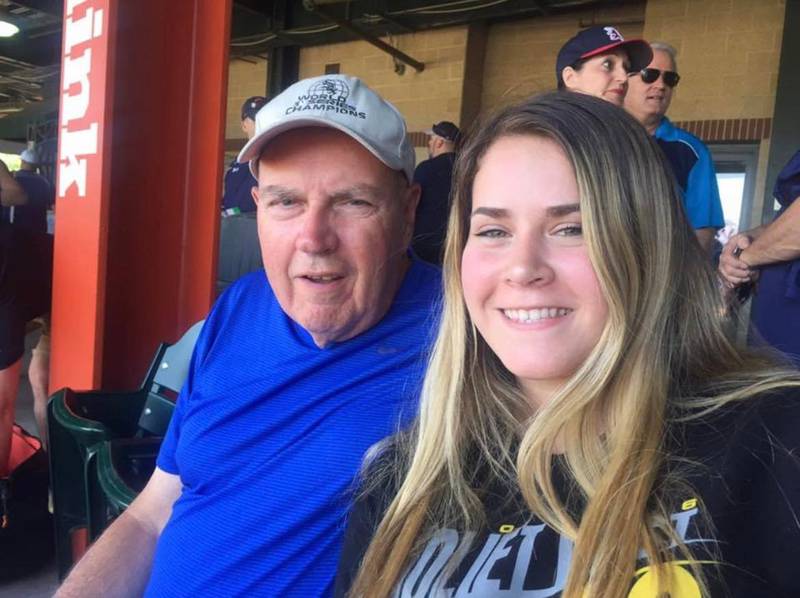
83,28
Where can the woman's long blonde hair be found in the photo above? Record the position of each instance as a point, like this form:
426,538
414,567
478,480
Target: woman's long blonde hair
663,355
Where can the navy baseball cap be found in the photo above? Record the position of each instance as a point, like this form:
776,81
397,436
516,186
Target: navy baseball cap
446,130
252,105
600,40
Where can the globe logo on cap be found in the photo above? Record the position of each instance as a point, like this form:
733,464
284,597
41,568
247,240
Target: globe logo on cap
330,88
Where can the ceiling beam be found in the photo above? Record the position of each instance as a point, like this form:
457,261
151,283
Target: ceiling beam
311,6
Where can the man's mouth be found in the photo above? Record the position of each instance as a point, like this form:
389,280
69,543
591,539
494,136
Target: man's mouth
321,278
536,314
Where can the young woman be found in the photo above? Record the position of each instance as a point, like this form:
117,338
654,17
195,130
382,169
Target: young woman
598,60
586,428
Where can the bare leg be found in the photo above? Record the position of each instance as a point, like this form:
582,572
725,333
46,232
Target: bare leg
39,377
9,385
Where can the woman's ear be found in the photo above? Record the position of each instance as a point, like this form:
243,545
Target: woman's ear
568,75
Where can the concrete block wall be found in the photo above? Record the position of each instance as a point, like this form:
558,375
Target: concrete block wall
728,59
521,55
423,98
728,54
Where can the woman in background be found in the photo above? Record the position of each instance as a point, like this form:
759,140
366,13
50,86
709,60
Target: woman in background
586,428
598,60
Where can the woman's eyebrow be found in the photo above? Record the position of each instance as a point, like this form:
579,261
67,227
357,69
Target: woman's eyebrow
563,210
552,211
491,212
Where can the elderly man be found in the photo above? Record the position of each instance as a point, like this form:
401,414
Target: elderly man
293,377
434,177
649,95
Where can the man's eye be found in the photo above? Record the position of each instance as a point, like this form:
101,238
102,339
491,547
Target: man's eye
607,65
282,202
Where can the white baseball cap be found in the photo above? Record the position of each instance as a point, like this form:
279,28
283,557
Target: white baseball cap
29,156
340,102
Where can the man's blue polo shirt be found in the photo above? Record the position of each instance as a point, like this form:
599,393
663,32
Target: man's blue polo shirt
269,433
700,192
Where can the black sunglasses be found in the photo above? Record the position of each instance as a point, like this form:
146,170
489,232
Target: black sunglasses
650,75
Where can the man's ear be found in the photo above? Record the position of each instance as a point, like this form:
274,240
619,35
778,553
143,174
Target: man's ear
254,193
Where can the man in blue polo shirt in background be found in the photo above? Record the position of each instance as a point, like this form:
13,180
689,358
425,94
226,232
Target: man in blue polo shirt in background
649,95
296,374
239,182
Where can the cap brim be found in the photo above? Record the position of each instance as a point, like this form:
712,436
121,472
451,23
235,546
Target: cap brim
252,150
640,54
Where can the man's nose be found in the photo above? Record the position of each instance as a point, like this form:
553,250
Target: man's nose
318,234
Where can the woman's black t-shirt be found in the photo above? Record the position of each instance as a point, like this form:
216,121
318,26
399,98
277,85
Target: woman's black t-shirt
741,521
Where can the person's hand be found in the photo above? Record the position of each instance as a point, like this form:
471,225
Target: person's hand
732,270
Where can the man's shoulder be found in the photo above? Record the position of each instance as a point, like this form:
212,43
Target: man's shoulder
435,170
245,310
424,278
26,178
250,292
236,168
668,131
423,168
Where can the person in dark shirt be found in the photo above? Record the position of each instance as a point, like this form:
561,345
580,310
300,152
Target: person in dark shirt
434,177
41,195
36,251
769,256
239,182
25,279
586,427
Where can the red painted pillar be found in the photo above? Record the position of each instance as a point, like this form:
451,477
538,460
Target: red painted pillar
139,177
